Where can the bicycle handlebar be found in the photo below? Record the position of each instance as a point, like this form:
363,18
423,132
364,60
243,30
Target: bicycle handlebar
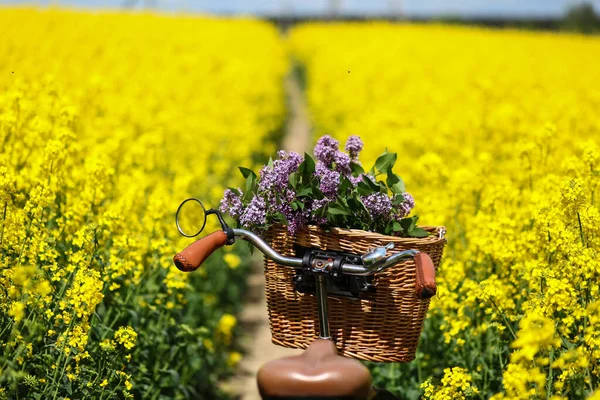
195,254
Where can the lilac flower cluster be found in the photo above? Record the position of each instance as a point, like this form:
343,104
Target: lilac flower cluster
329,180
276,177
353,146
342,163
255,213
232,203
276,199
326,150
406,206
378,204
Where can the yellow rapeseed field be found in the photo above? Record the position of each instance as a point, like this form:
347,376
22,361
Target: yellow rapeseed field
498,138
107,122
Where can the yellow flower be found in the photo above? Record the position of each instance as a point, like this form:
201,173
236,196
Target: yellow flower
126,336
107,345
234,358
209,345
225,327
232,260
17,311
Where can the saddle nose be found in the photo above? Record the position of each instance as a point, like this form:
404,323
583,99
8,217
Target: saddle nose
317,373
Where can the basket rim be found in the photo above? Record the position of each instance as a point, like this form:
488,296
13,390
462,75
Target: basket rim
438,233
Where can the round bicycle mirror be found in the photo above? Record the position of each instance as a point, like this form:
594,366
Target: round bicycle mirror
190,217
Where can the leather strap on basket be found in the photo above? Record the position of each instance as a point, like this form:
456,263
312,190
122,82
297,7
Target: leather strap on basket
425,282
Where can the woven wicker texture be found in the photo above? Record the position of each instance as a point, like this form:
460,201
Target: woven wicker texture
383,326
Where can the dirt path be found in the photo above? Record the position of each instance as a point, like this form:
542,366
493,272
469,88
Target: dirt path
254,318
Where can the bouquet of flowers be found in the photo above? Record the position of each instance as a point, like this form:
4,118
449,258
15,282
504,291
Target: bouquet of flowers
334,191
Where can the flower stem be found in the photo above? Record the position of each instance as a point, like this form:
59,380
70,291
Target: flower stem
3,219
504,318
549,381
581,230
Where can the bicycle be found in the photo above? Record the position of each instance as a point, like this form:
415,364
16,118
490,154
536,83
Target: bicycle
319,373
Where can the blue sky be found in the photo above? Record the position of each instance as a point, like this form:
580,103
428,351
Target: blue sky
530,8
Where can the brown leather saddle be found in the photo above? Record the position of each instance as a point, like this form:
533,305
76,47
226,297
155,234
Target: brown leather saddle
318,373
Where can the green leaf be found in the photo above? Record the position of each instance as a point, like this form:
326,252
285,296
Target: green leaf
247,172
345,185
397,200
418,232
293,179
307,167
363,189
408,224
317,194
249,186
297,205
373,186
395,183
310,164
385,162
235,190
357,169
279,217
320,212
356,204
338,209
304,191
67,384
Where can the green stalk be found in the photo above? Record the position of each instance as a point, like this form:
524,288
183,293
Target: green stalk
393,371
54,377
3,219
549,381
505,320
581,230
591,384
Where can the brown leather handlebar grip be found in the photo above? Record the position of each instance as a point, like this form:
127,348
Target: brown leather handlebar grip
196,253
425,283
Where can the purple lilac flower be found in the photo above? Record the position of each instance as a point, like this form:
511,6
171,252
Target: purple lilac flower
255,213
378,205
353,146
316,205
283,208
231,203
342,163
406,206
297,221
326,149
276,177
330,180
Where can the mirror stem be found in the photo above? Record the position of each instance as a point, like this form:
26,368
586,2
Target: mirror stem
224,225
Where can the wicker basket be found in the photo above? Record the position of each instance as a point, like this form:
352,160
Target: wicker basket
383,326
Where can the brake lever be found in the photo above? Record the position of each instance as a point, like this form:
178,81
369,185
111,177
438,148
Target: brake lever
376,254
